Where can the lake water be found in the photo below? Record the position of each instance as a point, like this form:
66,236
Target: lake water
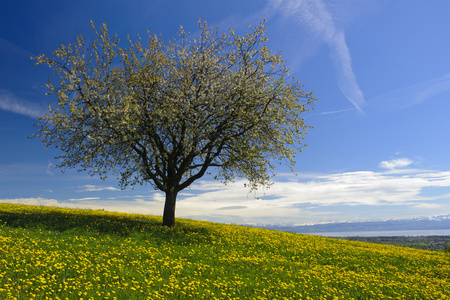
384,233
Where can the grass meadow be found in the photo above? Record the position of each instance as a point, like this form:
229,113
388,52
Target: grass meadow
57,253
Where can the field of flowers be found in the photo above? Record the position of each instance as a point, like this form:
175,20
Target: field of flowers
56,253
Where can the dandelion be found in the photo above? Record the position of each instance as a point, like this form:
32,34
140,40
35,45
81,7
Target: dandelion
140,259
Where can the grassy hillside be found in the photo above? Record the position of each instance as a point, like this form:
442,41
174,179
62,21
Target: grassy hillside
55,253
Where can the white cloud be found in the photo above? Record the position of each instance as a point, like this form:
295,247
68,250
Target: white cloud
291,199
395,163
89,203
427,206
9,102
95,188
84,199
32,201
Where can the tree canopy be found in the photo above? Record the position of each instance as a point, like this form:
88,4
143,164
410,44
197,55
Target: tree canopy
164,113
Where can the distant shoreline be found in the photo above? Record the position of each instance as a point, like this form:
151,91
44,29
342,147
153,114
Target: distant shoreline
433,243
384,233
434,226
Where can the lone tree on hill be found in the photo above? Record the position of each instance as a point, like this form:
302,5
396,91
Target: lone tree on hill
165,113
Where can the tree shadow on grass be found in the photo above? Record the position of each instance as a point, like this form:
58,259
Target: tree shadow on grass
82,222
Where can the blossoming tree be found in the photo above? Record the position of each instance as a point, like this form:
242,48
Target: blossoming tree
164,113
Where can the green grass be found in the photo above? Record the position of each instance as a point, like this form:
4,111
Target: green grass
56,253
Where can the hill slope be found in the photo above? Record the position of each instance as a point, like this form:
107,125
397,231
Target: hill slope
55,253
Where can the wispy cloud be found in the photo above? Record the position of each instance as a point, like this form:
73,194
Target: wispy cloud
12,103
331,112
413,94
9,48
84,199
346,76
16,171
323,21
95,188
49,171
318,20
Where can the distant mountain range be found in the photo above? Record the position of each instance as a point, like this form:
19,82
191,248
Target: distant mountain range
424,223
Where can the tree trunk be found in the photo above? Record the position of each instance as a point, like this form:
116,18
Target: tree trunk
169,209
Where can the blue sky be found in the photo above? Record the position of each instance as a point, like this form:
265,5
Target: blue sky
380,144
